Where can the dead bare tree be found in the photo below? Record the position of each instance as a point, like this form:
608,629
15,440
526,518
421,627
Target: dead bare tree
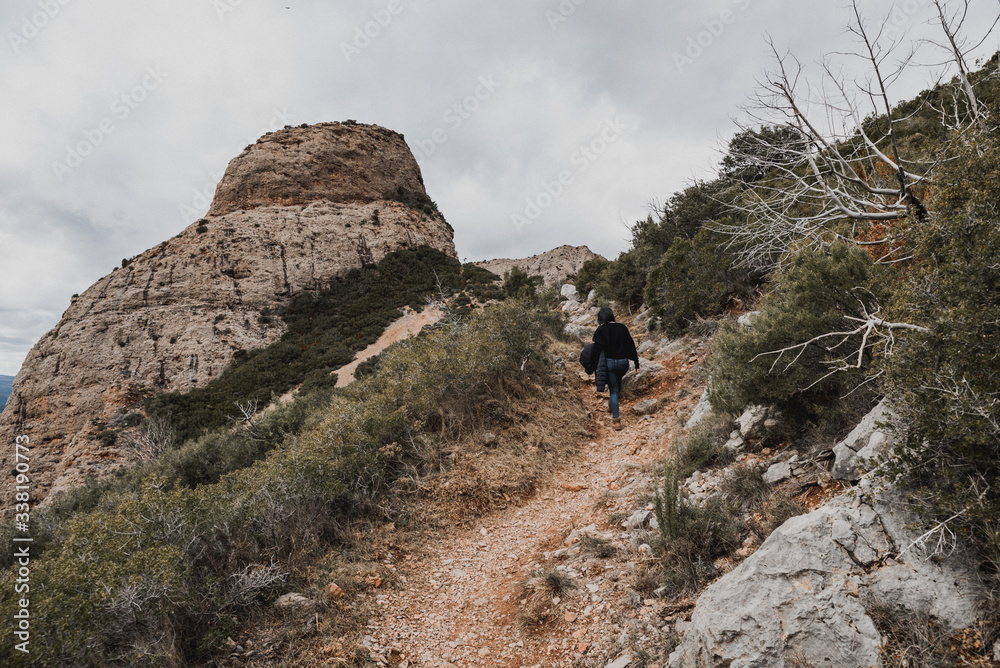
952,18
155,436
827,156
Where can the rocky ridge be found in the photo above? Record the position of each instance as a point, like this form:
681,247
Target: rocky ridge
554,266
293,212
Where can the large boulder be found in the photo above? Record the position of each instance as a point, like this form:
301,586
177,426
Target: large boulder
798,600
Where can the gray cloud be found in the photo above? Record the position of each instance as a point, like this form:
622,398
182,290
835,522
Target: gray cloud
162,95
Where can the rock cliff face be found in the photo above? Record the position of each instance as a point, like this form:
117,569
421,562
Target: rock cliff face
553,266
294,211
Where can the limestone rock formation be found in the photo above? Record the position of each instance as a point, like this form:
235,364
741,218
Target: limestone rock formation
799,599
554,266
293,212
865,442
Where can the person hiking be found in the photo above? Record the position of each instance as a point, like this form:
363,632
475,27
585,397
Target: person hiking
615,342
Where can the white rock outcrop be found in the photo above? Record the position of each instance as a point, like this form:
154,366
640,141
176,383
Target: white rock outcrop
799,597
866,441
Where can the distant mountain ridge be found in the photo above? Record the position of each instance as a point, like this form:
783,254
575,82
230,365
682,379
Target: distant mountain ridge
6,384
554,266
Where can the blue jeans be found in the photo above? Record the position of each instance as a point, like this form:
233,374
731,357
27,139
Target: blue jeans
616,371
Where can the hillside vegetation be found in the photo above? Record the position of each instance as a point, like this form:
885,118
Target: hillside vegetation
869,256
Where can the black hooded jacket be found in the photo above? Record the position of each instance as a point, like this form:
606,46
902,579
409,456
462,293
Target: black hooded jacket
613,339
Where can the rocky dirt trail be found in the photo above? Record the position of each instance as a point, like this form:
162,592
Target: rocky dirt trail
457,602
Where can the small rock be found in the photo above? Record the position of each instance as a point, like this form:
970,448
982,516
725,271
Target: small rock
646,407
646,346
484,651
700,412
570,617
333,591
292,600
735,444
778,473
752,420
638,519
746,320
620,662
571,305
568,291
489,438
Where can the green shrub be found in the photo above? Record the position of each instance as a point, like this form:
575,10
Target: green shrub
692,537
810,298
694,278
590,274
517,284
944,383
623,281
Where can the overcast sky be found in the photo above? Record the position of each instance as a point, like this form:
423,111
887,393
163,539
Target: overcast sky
536,123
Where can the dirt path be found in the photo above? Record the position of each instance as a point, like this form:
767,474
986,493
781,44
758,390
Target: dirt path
459,603
404,327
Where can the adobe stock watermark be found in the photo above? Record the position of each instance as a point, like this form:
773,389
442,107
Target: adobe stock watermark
581,159
371,30
32,26
455,117
900,17
713,30
562,13
121,108
223,7
201,198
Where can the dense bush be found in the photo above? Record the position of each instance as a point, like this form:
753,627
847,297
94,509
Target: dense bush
945,383
517,284
589,274
808,299
695,278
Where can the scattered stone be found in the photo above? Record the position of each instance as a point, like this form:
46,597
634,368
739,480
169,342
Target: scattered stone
570,617
779,472
647,368
293,600
580,333
701,411
489,438
620,662
646,346
638,519
746,320
646,407
752,420
735,444
568,291
591,296
573,486
333,591
571,305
